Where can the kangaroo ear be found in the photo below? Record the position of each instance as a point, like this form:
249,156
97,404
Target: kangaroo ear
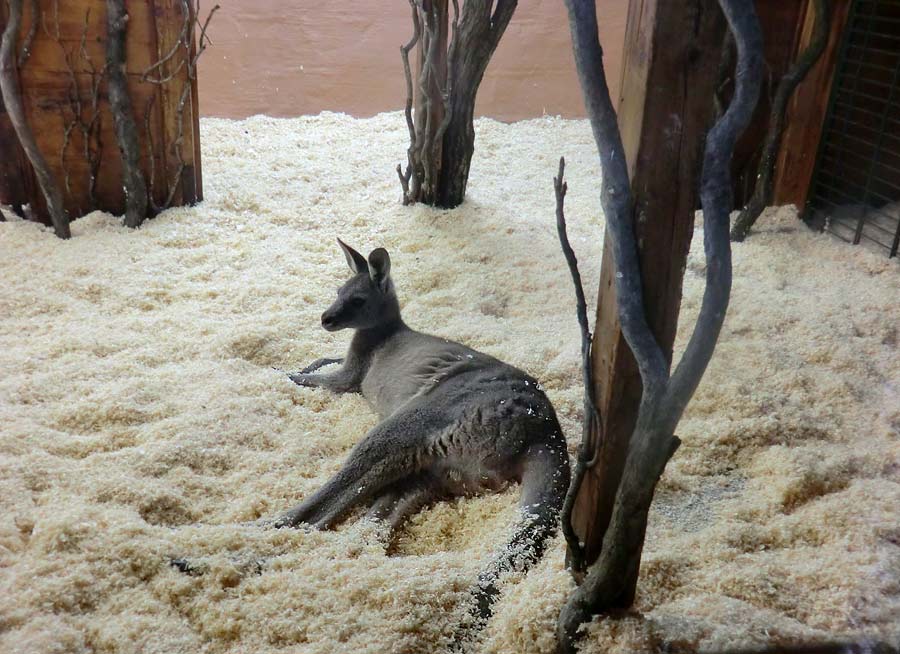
379,267
355,260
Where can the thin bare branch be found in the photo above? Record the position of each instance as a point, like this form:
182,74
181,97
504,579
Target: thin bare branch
148,113
408,194
203,41
591,413
187,18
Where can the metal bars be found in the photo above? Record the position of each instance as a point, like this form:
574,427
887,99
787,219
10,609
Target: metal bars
855,191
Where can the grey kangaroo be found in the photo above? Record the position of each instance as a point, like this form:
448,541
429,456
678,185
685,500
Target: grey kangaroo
454,422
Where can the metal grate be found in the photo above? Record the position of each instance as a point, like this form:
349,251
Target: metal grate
855,191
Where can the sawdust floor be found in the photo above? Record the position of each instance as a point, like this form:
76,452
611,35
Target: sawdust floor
142,417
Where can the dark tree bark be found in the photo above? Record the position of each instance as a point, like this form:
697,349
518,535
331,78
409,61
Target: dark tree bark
442,136
762,191
13,101
474,45
123,114
665,396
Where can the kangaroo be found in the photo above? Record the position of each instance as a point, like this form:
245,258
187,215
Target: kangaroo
454,421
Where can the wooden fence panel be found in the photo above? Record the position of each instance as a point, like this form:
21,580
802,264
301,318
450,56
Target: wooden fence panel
67,58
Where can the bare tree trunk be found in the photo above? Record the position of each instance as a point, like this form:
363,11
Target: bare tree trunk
442,136
762,192
13,101
123,114
473,46
612,577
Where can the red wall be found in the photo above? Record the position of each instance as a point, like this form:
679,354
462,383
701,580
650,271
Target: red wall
287,58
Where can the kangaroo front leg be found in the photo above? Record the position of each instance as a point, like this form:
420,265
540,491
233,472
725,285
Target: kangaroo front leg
321,363
345,380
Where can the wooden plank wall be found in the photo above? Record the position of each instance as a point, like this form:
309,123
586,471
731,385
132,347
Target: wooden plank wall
780,23
69,41
806,114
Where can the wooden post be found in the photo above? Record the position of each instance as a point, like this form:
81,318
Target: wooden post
180,123
671,56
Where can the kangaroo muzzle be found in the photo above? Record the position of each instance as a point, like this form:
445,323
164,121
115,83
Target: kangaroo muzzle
330,321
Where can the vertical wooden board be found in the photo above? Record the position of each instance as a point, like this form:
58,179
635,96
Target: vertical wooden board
178,124
195,154
669,69
47,53
192,188
47,84
806,114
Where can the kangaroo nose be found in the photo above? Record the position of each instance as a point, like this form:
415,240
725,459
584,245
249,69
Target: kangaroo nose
327,321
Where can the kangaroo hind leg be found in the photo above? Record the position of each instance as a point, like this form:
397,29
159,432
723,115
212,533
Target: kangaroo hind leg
396,449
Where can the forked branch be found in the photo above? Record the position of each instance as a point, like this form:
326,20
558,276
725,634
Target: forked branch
762,192
610,580
156,74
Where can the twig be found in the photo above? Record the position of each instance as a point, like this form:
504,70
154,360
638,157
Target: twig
185,26
152,151
67,134
188,64
12,99
591,413
410,153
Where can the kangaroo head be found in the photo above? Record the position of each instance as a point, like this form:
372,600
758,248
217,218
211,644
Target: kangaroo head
367,299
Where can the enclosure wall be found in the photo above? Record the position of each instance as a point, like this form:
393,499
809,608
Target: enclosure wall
286,58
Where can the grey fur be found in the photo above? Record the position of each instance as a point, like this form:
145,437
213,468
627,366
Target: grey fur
454,422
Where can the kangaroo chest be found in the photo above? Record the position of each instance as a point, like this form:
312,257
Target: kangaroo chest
410,365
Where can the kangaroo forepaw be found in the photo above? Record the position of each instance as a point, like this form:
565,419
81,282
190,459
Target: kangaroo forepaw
321,363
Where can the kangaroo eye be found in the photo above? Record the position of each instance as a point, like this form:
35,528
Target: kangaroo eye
357,302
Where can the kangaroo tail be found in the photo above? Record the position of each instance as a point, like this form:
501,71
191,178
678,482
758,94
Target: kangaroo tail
545,480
